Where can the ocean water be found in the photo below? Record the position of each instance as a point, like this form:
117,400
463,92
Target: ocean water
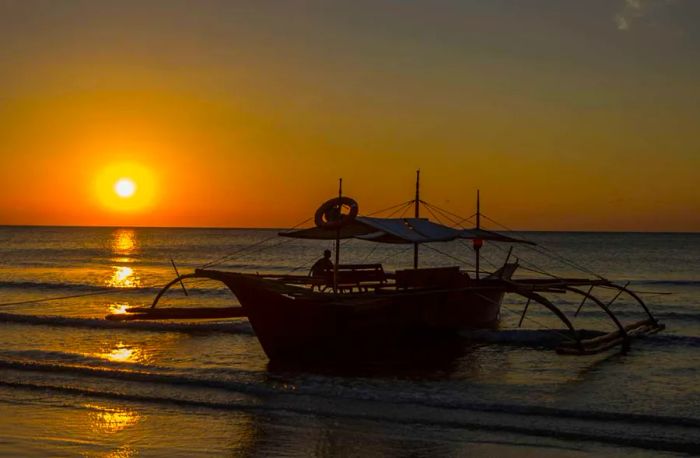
72,383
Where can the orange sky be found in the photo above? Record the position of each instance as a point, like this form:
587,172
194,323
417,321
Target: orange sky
567,115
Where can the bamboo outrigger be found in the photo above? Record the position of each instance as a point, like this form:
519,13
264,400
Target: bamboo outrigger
312,317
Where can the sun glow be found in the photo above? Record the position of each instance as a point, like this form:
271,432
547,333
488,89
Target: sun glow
125,187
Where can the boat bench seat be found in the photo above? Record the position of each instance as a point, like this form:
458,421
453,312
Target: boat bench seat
351,276
360,276
430,277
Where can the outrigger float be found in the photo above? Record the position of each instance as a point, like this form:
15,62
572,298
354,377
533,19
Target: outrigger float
315,317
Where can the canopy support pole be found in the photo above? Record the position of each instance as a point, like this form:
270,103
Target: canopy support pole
417,214
337,237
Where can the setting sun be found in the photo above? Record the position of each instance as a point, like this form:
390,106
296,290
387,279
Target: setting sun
125,187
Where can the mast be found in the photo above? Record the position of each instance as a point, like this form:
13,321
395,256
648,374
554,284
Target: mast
478,211
477,242
337,237
417,214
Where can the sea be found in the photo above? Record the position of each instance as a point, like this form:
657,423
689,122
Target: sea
75,384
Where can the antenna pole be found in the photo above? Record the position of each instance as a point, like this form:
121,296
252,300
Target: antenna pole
337,237
417,215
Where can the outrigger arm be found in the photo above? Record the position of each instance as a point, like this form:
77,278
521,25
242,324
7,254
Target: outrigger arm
533,296
579,346
177,280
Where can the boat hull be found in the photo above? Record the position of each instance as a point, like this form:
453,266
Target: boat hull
292,323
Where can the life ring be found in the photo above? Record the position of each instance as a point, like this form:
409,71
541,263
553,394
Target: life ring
328,215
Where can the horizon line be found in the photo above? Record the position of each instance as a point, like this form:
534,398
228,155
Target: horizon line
98,226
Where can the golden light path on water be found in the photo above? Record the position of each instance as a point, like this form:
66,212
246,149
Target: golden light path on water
123,277
124,245
117,308
110,419
124,240
122,353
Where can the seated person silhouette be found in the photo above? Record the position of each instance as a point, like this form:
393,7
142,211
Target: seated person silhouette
322,270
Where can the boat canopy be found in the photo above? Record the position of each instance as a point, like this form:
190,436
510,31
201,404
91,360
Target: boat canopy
398,230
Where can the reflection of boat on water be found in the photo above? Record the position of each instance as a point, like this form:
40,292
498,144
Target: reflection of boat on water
310,317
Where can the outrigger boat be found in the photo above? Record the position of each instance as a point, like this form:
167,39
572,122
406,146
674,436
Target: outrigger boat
299,317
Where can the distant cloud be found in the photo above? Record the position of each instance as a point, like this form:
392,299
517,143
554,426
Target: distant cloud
634,10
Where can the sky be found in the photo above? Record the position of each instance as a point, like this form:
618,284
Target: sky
566,114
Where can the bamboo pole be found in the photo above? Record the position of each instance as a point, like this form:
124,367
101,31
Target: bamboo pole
417,215
337,237
478,226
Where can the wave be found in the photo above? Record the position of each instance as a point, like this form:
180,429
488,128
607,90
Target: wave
139,376
96,288
673,340
60,286
514,418
549,338
546,338
332,392
687,282
240,327
635,313
531,337
678,316
70,358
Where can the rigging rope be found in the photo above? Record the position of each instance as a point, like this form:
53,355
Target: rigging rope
246,249
448,255
390,208
483,258
546,252
58,298
437,218
445,213
224,258
395,254
95,293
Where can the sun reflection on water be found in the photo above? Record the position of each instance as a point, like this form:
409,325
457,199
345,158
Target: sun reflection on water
111,420
124,242
117,309
124,354
124,245
123,277
125,451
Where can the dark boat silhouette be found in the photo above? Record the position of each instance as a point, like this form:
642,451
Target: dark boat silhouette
352,306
